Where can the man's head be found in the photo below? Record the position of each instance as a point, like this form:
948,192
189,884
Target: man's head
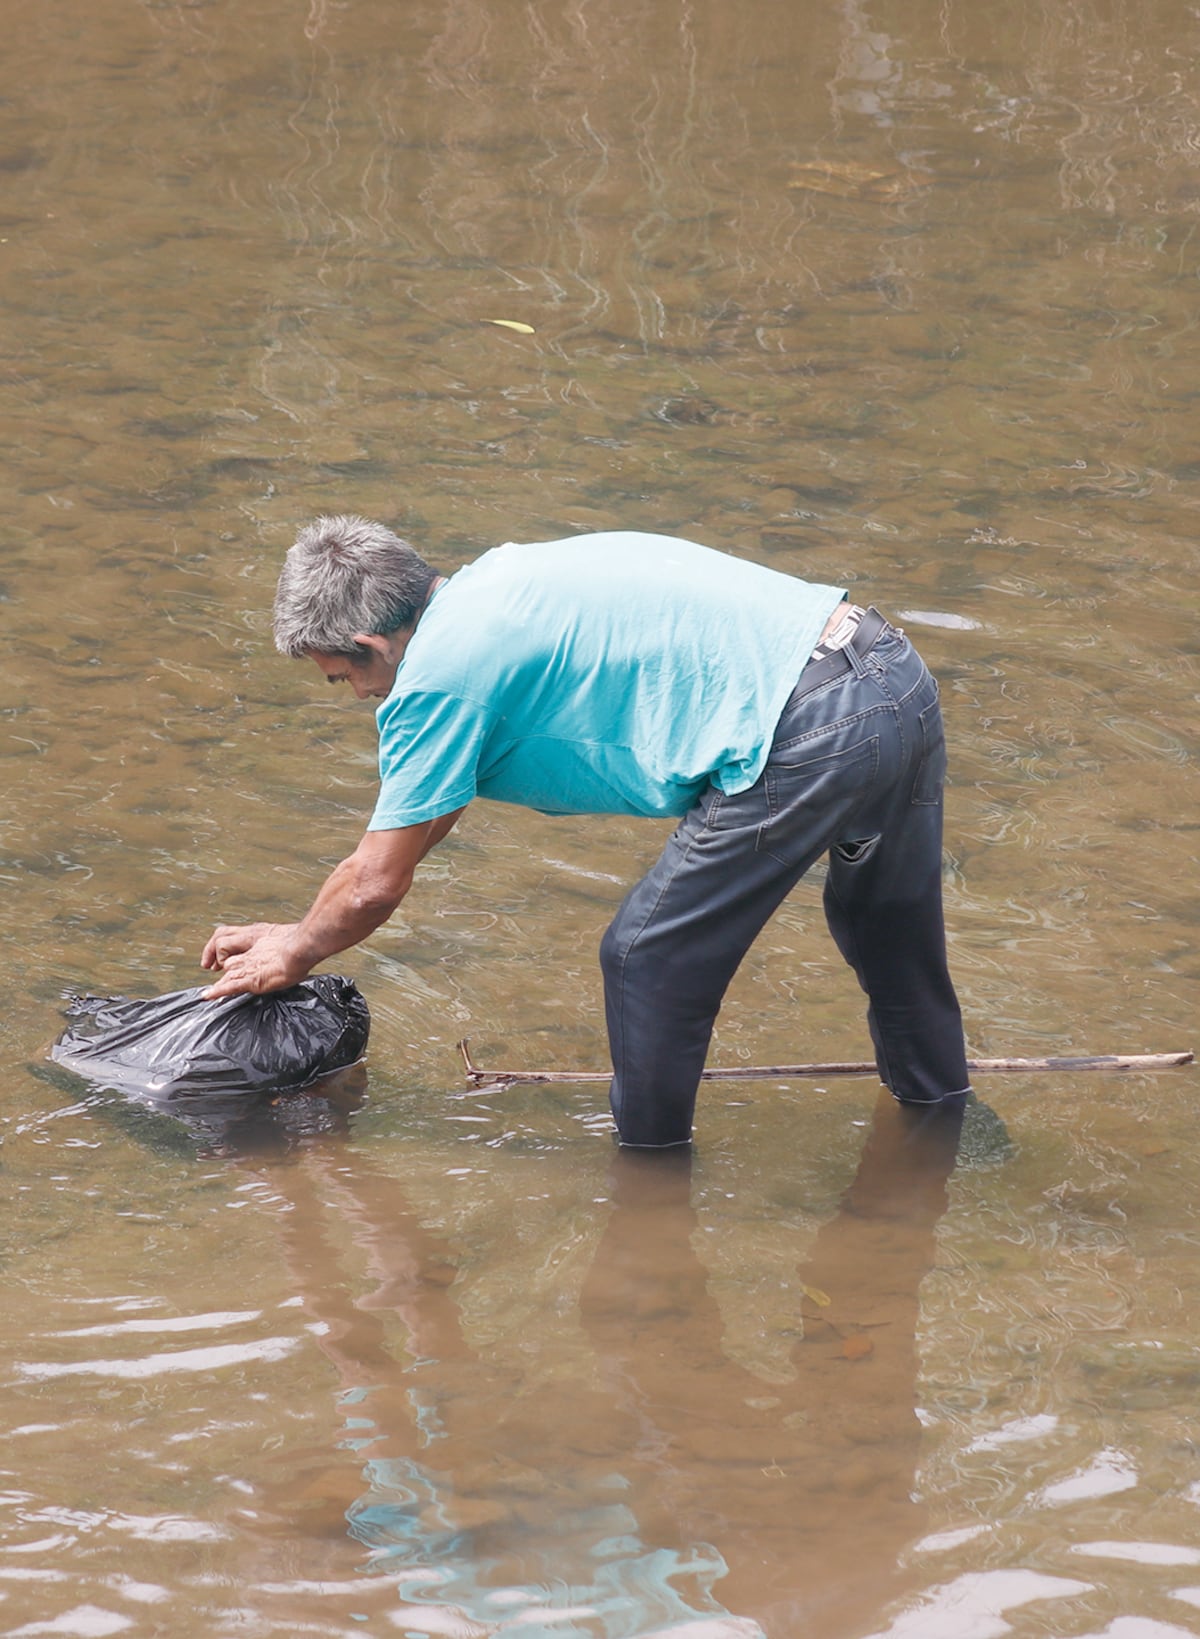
348,597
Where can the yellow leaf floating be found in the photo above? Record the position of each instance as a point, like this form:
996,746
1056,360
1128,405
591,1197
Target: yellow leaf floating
847,179
821,1299
512,324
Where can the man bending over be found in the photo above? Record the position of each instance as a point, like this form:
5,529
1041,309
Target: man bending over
626,673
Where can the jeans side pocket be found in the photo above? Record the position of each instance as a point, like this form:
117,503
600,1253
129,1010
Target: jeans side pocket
930,777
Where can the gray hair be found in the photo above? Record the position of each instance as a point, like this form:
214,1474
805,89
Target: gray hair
343,576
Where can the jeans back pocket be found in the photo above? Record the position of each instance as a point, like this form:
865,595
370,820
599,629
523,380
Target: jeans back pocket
809,802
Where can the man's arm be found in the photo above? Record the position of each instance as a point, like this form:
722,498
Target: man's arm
357,897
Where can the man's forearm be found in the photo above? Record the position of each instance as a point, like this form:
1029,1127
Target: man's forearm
361,893
353,901
357,897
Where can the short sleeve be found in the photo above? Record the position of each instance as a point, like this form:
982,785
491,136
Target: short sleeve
430,747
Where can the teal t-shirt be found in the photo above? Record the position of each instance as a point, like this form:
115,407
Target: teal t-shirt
603,674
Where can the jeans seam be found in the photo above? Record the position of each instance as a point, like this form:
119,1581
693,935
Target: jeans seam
623,957
885,1070
894,705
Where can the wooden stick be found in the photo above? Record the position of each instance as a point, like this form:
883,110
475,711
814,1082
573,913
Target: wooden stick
744,1072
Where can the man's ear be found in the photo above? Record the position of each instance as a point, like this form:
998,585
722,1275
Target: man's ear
389,645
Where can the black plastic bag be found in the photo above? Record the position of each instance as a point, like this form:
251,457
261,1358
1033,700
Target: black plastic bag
182,1044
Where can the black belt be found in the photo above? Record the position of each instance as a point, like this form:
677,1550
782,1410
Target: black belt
866,634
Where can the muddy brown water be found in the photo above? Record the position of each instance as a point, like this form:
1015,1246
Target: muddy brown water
899,296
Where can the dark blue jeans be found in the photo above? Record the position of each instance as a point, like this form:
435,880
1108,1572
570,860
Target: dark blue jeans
856,771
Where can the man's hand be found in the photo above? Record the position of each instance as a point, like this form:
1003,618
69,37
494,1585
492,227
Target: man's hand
260,957
357,897
234,941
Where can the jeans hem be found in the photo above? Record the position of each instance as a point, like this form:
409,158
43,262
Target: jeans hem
928,1103
671,1144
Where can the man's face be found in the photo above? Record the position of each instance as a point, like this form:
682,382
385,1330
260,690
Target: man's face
370,679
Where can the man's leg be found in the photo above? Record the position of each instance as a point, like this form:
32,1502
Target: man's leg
677,940
667,960
885,912
856,766
883,903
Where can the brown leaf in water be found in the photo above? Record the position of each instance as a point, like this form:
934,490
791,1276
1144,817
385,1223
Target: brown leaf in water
857,1347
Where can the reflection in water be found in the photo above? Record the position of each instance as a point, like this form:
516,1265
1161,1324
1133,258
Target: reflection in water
680,1483
229,1125
807,1491
264,1125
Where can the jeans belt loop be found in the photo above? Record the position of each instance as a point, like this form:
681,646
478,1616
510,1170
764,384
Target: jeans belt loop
867,633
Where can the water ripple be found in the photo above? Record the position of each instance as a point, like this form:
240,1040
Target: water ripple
974,1606
156,1365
